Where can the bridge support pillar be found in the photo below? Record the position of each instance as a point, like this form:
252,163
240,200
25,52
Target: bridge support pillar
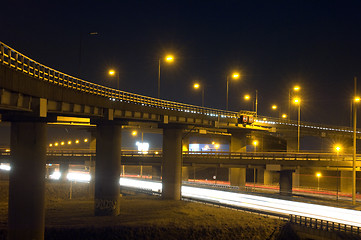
185,173
296,178
238,142
64,169
172,163
346,182
264,176
237,177
156,173
27,180
107,169
286,182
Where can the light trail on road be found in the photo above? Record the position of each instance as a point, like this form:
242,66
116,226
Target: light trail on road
266,204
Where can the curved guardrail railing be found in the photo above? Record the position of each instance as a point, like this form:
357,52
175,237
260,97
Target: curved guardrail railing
324,225
303,125
18,61
14,59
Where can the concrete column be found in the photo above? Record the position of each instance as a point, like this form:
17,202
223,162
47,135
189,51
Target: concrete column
64,169
172,163
185,173
92,175
296,178
156,173
264,176
185,144
237,177
107,169
346,182
27,180
238,142
286,182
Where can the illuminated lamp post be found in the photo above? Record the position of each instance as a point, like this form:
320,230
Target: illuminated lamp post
296,88
200,86
283,115
318,175
167,59
337,149
234,76
356,100
255,143
297,101
247,97
113,73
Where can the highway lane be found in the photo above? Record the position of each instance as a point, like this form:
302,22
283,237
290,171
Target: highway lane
271,205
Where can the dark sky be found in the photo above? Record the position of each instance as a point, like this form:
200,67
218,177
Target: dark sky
275,44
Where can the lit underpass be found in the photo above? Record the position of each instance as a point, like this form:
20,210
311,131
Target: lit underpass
265,204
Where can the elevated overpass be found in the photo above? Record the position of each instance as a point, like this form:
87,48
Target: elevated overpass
32,95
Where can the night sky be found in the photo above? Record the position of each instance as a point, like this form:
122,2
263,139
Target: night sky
274,44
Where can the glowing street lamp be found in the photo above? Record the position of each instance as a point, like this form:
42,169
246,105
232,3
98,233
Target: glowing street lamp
77,141
85,140
69,142
134,133
274,107
337,149
168,59
235,76
255,144
357,100
114,73
318,175
247,97
295,88
284,115
56,144
200,86
297,101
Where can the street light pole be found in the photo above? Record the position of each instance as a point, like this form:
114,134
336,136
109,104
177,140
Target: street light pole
202,95
289,104
118,80
113,72
296,88
197,86
256,101
169,59
158,78
227,93
235,75
298,127
354,143
298,102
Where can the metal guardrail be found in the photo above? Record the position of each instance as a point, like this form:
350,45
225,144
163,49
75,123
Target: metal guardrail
19,62
284,156
304,125
281,156
324,225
